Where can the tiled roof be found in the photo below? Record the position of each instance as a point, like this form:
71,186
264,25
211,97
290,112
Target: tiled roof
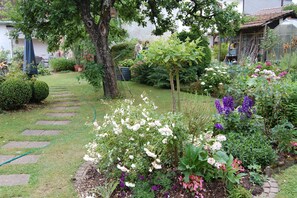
265,16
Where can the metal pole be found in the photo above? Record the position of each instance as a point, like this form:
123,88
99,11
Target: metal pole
282,3
243,6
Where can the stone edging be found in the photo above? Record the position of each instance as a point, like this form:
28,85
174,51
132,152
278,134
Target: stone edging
270,189
86,172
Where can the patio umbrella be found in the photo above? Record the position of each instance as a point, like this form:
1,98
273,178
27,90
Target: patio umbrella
29,66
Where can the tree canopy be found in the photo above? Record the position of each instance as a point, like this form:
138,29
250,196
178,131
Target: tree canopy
52,20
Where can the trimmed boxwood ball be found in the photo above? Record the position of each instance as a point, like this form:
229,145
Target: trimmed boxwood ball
40,91
14,93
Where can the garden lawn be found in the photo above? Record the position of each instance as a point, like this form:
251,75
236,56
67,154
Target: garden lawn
51,175
287,183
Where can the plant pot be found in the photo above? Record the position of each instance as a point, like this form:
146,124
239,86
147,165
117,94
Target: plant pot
124,74
78,68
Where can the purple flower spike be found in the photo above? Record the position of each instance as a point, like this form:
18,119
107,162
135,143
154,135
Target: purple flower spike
228,103
246,107
122,180
219,107
219,126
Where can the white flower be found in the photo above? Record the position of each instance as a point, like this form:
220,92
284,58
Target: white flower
142,122
166,131
218,165
151,124
257,70
210,86
131,157
150,170
128,184
136,127
131,139
158,123
158,160
150,154
221,84
133,166
89,159
211,161
164,141
95,124
216,146
156,166
221,138
214,74
202,83
122,168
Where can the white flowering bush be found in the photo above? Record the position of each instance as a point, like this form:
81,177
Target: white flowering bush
214,78
135,139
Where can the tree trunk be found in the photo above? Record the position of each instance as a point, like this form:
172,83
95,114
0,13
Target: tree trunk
178,91
99,35
172,92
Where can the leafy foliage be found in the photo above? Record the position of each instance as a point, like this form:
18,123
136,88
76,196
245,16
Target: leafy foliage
14,93
40,91
250,148
62,64
93,74
123,51
239,192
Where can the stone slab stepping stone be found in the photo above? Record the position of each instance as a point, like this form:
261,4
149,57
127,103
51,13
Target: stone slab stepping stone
27,159
66,103
58,99
54,122
41,132
66,108
61,114
62,95
25,144
14,180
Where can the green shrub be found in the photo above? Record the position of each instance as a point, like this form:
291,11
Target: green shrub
14,93
206,59
62,64
250,148
93,74
126,63
2,79
40,91
123,51
224,51
239,192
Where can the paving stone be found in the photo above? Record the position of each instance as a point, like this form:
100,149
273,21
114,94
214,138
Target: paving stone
266,184
66,108
266,190
271,195
61,114
25,144
62,95
273,190
72,99
74,103
54,122
274,185
27,159
41,132
14,180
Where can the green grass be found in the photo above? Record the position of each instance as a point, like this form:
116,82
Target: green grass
287,183
51,175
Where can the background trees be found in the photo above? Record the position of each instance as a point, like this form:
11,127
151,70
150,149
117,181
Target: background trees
53,20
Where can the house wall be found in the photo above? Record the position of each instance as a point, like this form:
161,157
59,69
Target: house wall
40,48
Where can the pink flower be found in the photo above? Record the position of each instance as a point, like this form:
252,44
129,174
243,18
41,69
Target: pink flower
259,67
294,144
268,63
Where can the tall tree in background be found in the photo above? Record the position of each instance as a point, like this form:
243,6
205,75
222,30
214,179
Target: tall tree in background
52,20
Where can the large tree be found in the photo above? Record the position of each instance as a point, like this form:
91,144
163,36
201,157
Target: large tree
52,20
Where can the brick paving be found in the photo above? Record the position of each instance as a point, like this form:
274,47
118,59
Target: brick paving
270,189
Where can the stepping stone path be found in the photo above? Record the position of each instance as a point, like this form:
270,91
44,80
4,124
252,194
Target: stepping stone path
61,114
14,180
28,159
64,97
55,122
270,189
25,144
40,132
